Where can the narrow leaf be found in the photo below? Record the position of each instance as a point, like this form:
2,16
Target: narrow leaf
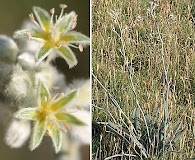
66,53
113,125
178,134
140,146
43,52
26,113
75,37
61,102
117,133
43,18
176,128
137,122
56,136
68,118
65,23
37,135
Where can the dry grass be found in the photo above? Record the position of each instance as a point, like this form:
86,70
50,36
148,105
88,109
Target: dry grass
144,46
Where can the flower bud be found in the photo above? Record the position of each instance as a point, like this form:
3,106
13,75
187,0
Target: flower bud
45,73
26,60
17,133
19,85
8,49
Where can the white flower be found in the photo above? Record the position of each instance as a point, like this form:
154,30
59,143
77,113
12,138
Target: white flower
55,37
49,116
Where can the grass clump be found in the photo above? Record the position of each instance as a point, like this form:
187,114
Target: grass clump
143,86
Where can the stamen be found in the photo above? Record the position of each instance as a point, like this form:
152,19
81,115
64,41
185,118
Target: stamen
80,47
62,6
31,16
45,98
54,97
66,126
29,35
61,44
52,11
71,45
52,31
56,17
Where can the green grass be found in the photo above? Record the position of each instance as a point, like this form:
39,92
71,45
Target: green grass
143,43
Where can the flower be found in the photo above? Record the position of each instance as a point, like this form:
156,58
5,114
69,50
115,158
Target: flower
54,37
51,117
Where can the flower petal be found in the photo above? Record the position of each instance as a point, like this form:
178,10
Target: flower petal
37,135
56,136
61,102
68,118
43,17
75,37
43,52
65,23
43,93
66,53
26,113
28,34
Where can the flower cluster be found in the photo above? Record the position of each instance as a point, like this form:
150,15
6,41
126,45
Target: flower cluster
26,81
55,38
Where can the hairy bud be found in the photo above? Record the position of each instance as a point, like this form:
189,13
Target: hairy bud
8,49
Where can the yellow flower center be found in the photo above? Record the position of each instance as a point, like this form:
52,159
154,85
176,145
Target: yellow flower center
52,38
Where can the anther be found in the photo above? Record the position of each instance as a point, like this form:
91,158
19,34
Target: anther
29,35
62,11
63,6
66,126
80,47
52,11
31,16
